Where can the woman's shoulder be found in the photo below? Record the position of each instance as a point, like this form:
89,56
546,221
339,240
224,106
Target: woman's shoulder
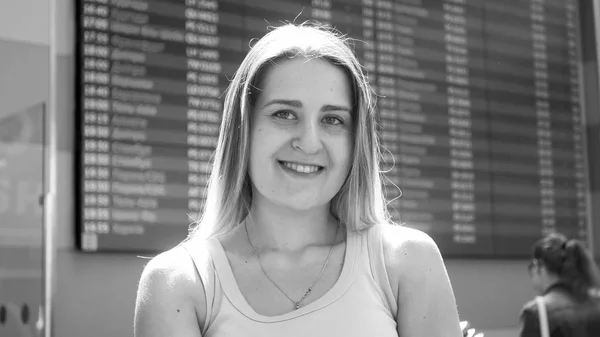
174,268
419,279
402,234
175,264
407,251
170,298
172,277
530,308
404,244
554,302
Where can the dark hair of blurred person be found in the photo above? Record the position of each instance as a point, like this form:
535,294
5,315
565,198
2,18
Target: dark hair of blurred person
566,277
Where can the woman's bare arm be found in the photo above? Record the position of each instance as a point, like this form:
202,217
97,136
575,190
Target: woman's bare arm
170,298
426,303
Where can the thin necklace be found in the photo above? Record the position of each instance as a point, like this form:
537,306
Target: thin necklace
308,291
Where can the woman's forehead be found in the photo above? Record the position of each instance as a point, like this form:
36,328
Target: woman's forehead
306,80
288,73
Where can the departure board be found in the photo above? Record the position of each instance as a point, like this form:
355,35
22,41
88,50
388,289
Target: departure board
479,102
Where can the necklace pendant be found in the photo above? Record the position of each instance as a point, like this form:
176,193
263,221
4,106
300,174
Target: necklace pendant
297,306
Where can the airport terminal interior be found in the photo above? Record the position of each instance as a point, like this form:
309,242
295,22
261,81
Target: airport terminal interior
110,112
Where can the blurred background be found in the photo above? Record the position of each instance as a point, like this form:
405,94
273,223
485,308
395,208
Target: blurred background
109,112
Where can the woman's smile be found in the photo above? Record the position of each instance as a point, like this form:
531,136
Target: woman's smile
304,170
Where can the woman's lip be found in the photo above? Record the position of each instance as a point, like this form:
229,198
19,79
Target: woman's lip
300,163
295,173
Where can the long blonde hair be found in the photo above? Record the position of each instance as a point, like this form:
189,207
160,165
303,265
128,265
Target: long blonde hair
360,202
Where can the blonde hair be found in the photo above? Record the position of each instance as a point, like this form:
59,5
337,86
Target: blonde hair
360,202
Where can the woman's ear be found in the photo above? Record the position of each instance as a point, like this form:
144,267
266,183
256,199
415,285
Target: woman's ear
543,274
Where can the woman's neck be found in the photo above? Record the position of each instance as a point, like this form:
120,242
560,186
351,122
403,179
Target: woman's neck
549,282
277,228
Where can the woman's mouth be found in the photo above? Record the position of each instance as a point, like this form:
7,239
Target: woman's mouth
301,168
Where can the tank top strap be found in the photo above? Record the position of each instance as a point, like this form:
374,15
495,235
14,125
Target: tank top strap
378,269
199,251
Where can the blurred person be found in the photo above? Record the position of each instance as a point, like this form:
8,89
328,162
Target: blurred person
566,277
295,239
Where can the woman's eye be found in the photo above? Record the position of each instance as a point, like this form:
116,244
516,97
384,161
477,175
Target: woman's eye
285,114
332,120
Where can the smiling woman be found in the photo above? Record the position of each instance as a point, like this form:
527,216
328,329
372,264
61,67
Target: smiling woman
301,140
294,239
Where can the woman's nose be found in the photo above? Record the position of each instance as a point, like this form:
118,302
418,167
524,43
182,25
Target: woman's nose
308,139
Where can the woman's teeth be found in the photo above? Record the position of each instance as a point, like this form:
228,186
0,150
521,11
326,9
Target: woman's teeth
301,168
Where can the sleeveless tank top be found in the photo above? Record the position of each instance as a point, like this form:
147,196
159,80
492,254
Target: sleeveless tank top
360,303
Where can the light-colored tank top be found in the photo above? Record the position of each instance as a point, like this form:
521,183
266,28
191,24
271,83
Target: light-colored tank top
360,303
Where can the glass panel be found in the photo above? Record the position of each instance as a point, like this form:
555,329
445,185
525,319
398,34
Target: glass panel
21,220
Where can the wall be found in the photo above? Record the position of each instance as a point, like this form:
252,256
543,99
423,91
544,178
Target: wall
590,54
24,56
94,294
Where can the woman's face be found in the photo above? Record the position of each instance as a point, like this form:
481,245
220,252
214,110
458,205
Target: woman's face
535,272
301,140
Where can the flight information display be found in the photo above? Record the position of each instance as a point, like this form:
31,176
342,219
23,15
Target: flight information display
479,101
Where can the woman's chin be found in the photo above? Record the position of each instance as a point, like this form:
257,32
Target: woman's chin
302,207
301,204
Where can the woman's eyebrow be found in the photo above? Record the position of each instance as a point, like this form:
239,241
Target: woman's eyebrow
330,107
298,104
290,102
